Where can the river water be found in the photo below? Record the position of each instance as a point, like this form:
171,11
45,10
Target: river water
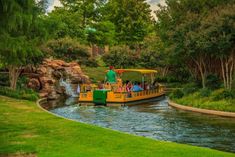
156,120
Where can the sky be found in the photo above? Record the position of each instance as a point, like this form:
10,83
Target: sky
153,4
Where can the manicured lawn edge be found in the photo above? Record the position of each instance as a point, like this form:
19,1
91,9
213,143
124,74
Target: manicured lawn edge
26,129
199,110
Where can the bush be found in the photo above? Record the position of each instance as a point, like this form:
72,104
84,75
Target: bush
205,92
213,82
223,94
167,79
22,82
190,88
69,49
27,94
91,62
178,93
4,79
121,57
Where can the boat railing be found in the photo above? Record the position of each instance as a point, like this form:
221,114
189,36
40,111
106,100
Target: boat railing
87,93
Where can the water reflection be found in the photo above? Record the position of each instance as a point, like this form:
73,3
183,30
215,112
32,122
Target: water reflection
160,121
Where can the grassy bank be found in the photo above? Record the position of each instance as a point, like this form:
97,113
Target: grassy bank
220,100
25,129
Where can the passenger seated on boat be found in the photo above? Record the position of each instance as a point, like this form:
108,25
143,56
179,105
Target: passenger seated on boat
88,87
100,85
146,86
136,87
155,85
128,88
119,89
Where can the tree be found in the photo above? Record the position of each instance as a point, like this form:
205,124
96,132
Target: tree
21,32
102,34
181,29
132,19
218,29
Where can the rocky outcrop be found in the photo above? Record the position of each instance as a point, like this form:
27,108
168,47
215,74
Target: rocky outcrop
47,76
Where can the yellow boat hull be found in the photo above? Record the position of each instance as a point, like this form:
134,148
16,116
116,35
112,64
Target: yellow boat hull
123,98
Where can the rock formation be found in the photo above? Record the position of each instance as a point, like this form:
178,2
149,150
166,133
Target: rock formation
47,76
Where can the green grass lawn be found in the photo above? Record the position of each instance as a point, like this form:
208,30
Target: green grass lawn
26,129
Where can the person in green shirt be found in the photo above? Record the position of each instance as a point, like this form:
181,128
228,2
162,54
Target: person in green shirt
111,76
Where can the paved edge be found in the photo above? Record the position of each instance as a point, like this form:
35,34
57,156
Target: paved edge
199,110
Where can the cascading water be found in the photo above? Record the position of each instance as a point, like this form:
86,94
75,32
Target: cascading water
68,88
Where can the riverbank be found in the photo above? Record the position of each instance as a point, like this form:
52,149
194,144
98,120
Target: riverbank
26,129
205,111
218,100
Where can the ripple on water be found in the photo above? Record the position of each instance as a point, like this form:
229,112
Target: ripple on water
160,121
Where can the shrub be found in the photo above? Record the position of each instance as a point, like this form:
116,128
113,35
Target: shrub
178,93
190,88
22,82
223,94
205,92
167,79
4,79
90,62
121,57
27,94
69,49
213,81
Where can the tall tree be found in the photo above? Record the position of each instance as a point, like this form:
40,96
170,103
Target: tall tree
180,28
19,35
132,19
218,30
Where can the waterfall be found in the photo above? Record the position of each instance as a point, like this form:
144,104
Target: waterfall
68,88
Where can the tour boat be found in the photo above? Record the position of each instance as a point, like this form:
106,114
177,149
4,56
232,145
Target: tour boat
115,94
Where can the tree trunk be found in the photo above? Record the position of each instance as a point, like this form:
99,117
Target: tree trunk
14,73
202,69
227,68
223,72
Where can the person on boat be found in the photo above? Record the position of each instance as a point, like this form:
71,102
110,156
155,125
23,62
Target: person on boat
136,87
78,89
100,85
88,86
120,88
128,88
111,76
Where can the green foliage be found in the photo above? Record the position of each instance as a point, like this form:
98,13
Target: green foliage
104,34
196,33
223,94
62,22
26,94
121,57
177,94
166,79
132,19
21,33
213,82
190,88
70,49
219,99
4,79
205,92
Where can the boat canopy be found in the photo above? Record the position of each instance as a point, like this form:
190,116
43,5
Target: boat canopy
142,71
